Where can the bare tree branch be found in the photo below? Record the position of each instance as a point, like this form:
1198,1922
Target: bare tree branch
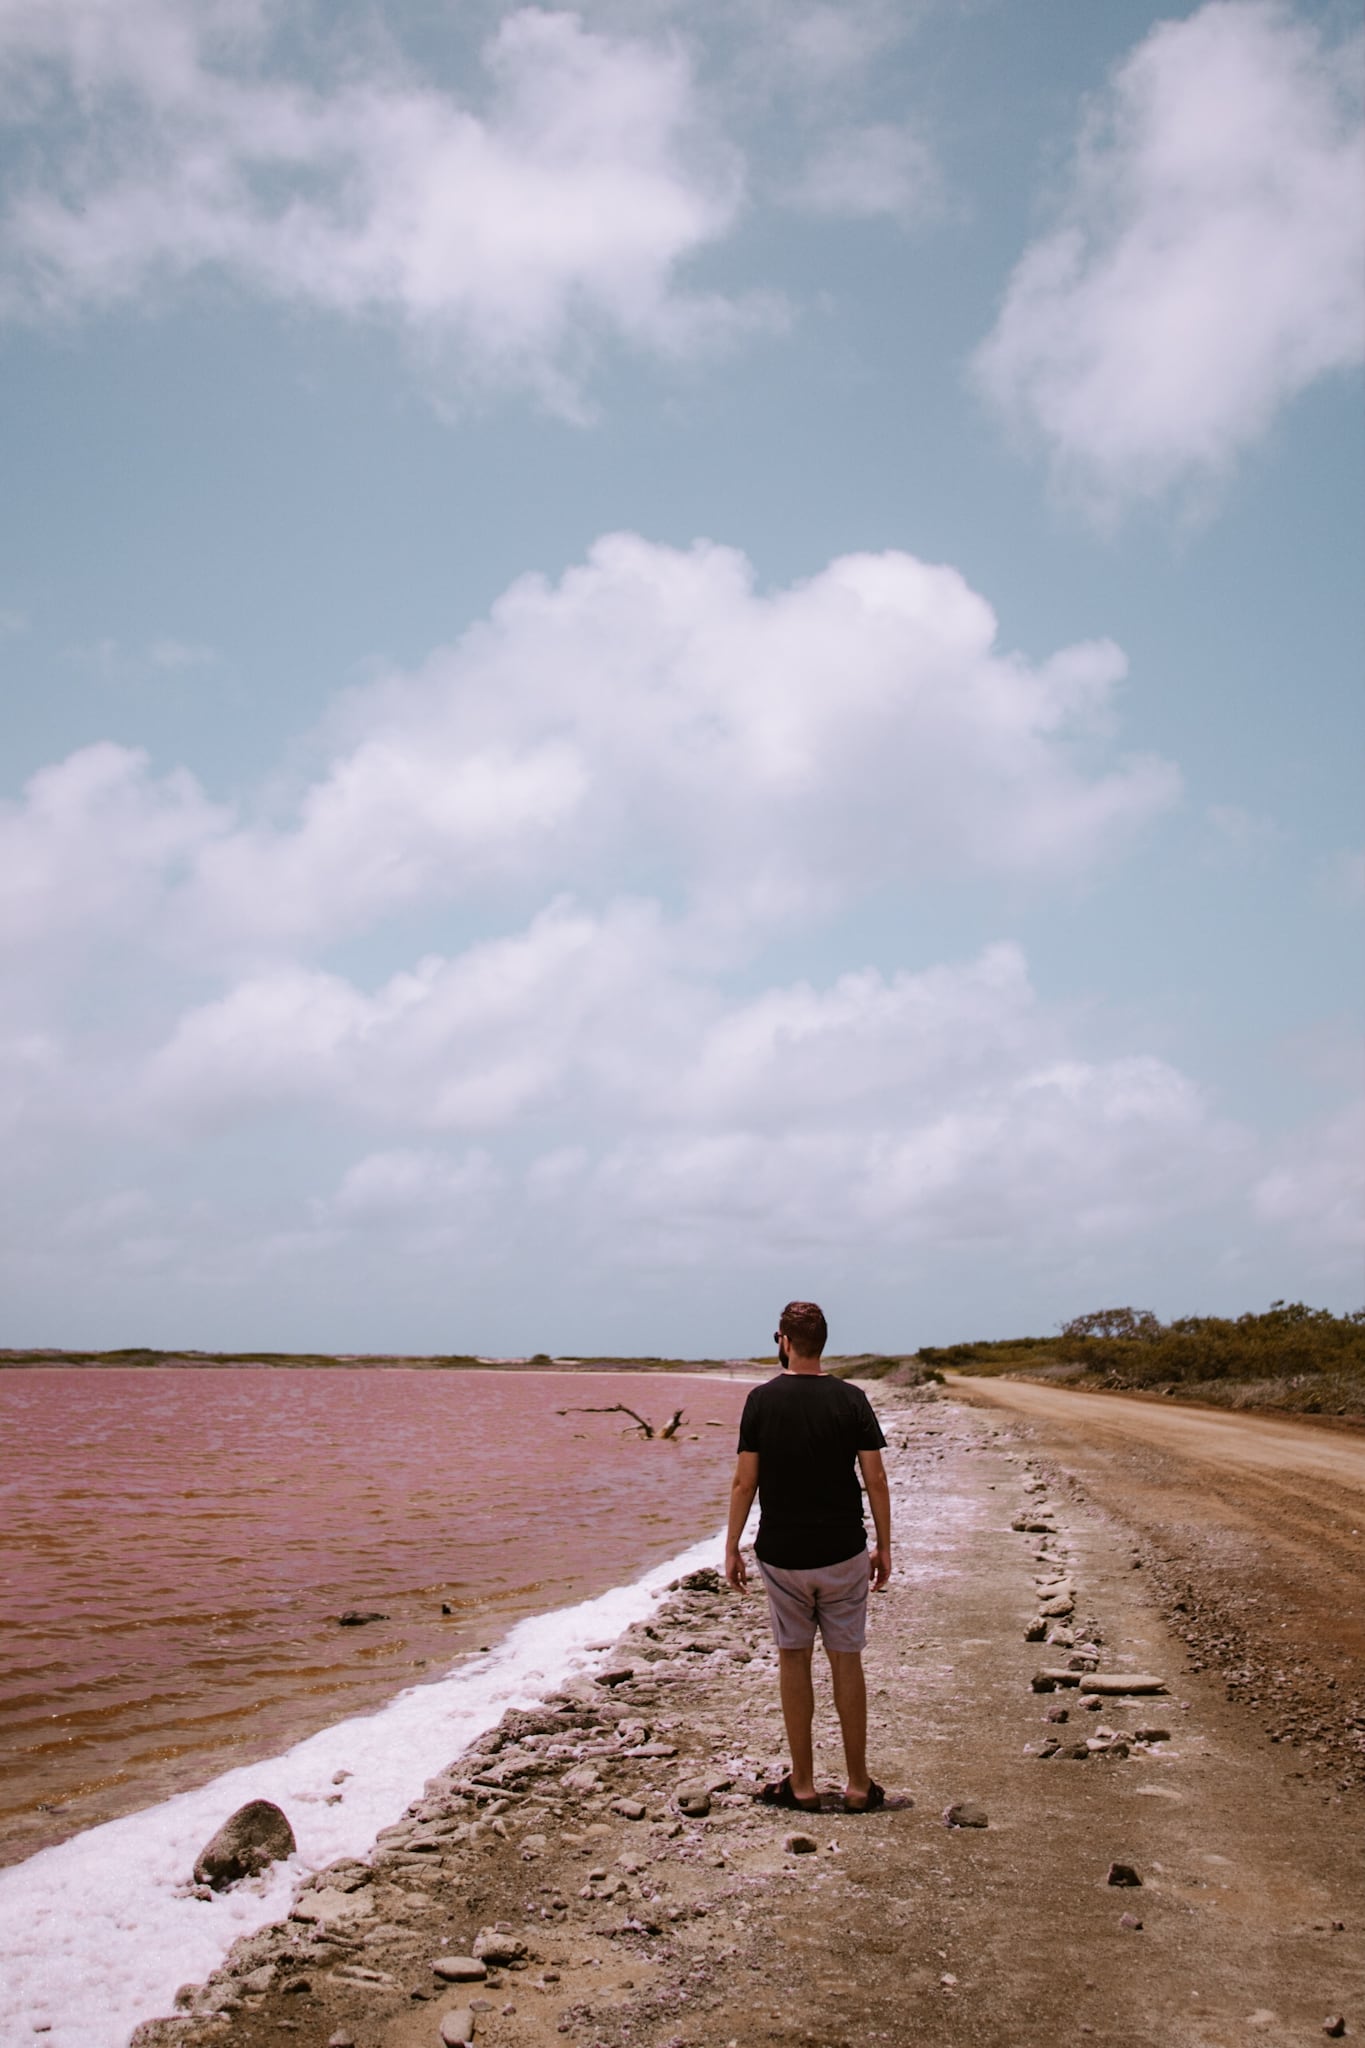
664,1435
616,1408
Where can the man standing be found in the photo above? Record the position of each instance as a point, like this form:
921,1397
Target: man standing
803,1438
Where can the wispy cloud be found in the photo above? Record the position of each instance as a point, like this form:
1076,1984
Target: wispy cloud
1343,876
1317,1193
181,654
506,234
880,169
1207,264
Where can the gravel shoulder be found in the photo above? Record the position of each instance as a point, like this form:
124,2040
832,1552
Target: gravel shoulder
709,1920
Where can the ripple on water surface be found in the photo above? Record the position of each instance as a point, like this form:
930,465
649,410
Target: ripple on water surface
179,1543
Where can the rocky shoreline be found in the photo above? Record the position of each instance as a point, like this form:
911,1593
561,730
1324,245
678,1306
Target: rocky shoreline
596,1872
605,1804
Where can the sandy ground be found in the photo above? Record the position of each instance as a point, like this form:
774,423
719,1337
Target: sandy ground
678,1930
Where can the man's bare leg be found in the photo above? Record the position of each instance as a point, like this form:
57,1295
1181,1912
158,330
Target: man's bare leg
850,1703
798,1711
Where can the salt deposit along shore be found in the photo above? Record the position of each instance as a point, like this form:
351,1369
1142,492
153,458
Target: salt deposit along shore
594,1869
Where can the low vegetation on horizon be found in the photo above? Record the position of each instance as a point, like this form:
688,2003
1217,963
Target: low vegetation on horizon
1303,1360
1297,1359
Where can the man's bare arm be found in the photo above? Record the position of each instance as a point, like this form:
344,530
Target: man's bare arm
743,1487
879,1500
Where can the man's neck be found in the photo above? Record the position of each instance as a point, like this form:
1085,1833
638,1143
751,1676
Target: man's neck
804,1368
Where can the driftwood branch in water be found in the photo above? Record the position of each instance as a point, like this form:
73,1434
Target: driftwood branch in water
669,1430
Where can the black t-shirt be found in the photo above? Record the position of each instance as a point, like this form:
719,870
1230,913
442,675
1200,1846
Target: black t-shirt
807,1430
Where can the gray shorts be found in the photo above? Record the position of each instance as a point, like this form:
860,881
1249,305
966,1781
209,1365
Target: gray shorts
830,1597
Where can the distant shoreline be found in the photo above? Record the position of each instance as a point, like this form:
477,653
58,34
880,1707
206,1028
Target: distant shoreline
140,1359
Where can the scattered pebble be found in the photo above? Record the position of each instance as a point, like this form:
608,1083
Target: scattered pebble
457,2027
965,1814
460,1969
800,1845
1334,2026
1122,1873
1131,1922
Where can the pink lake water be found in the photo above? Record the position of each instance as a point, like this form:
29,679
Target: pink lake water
176,1546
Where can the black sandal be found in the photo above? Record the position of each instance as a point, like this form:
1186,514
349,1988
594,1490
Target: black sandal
875,1801
879,1800
781,1794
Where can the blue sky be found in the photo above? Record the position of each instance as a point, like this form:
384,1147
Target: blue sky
662,657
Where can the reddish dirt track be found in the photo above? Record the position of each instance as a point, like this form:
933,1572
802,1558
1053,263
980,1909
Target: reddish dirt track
1255,1532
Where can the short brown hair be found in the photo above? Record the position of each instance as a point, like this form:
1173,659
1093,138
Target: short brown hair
803,1324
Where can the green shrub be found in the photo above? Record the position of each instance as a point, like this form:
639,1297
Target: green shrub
1289,1339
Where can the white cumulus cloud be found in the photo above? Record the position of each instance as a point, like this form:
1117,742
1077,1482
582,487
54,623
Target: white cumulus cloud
575,1008
752,755
94,846
1209,260
761,752
947,1106
507,233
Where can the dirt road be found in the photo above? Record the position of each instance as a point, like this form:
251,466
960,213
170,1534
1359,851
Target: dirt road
1290,1450
1254,1531
687,1928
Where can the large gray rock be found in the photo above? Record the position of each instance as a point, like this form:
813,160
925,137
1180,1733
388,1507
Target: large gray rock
498,1946
257,1835
1115,1684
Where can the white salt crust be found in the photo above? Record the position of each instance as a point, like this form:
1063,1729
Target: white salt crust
93,1935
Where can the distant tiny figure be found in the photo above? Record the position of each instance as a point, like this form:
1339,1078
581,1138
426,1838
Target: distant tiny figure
803,1438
